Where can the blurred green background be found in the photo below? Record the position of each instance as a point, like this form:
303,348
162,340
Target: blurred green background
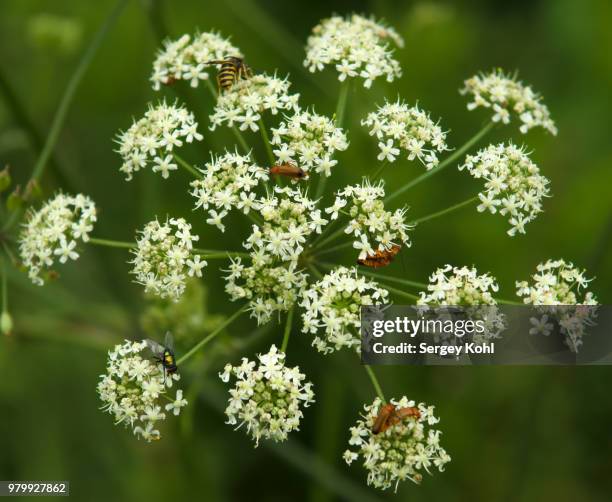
517,434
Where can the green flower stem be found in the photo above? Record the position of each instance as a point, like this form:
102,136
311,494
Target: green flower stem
266,141
315,271
216,255
379,171
10,254
399,292
287,332
446,162
239,137
212,335
450,209
375,382
340,109
324,233
333,248
60,115
382,277
112,243
331,238
188,167
4,288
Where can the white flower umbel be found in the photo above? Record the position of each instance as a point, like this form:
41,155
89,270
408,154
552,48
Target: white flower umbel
164,257
374,228
184,59
556,293
463,286
151,140
505,95
332,308
54,231
268,397
245,102
227,182
513,184
356,47
132,389
401,452
309,141
398,126
268,284
289,218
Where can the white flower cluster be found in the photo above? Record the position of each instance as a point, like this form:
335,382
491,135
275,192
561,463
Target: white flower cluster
132,387
411,129
308,140
289,218
402,451
463,286
268,284
268,396
459,286
506,95
374,228
227,181
513,184
332,308
247,99
356,46
555,292
163,258
185,59
152,139
53,232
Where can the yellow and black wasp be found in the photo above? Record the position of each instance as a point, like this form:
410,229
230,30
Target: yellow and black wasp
164,354
232,69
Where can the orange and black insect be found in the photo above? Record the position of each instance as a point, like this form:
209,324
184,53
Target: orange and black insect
232,69
164,354
380,258
389,415
289,170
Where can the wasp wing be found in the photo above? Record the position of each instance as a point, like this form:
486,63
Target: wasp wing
169,341
157,348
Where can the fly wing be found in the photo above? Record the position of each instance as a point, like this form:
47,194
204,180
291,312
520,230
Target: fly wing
169,341
155,347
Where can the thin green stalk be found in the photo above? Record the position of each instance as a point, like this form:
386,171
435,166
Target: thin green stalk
69,92
340,110
446,162
187,166
112,243
378,171
331,238
287,332
450,209
324,233
266,141
208,338
10,253
315,271
4,288
375,383
239,137
382,277
333,248
399,292
222,255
